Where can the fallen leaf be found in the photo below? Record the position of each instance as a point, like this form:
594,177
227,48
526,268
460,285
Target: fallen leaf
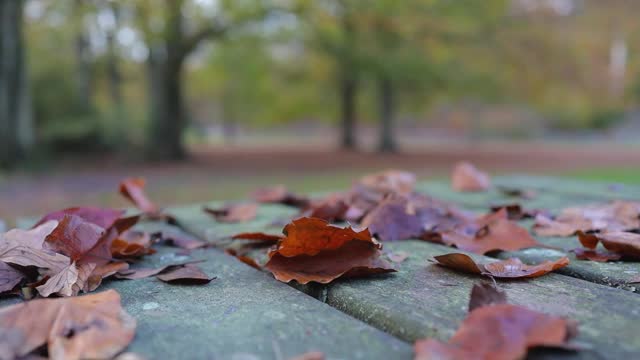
314,250
517,212
486,294
102,272
102,217
333,208
9,277
487,233
182,241
234,213
188,274
61,283
467,178
141,273
501,332
258,236
402,218
132,244
594,255
624,243
615,216
280,195
74,237
510,268
84,327
390,181
245,259
133,190
25,248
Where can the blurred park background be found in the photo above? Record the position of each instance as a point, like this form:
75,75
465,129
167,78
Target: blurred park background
209,99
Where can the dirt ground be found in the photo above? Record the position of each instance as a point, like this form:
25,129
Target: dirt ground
230,173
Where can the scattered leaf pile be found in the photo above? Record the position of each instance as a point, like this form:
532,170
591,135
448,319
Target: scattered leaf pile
494,329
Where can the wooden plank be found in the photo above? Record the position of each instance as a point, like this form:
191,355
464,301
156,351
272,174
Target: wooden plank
243,314
423,300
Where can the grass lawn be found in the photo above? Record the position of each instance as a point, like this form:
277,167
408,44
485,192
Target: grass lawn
630,176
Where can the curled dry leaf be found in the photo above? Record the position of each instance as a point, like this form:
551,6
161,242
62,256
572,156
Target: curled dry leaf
484,294
333,208
314,250
488,233
280,195
615,216
623,243
141,273
102,217
467,178
390,181
26,248
133,190
245,259
510,268
595,255
187,274
85,327
234,213
132,244
258,236
9,277
499,331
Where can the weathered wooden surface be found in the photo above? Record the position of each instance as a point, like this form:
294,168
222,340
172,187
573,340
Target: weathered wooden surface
243,314
425,300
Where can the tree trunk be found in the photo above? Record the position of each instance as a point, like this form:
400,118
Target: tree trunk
386,136
16,129
167,111
113,70
83,63
348,90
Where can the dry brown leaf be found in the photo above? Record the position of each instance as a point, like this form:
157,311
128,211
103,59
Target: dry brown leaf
488,233
141,273
61,283
615,216
25,248
314,250
280,195
485,294
74,237
9,277
510,268
133,190
624,243
234,213
102,217
498,332
84,327
188,274
390,181
333,208
594,255
467,178
132,244
182,241
258,236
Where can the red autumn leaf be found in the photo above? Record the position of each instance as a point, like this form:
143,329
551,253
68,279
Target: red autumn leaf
74,237
488,233
26,248
280,195
245,259
510,268
234,213
258,236
615,216
188,274
594,255
499,332
84,327
102,217
314,250
467,178
624,243
133,190
132,244
9,277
